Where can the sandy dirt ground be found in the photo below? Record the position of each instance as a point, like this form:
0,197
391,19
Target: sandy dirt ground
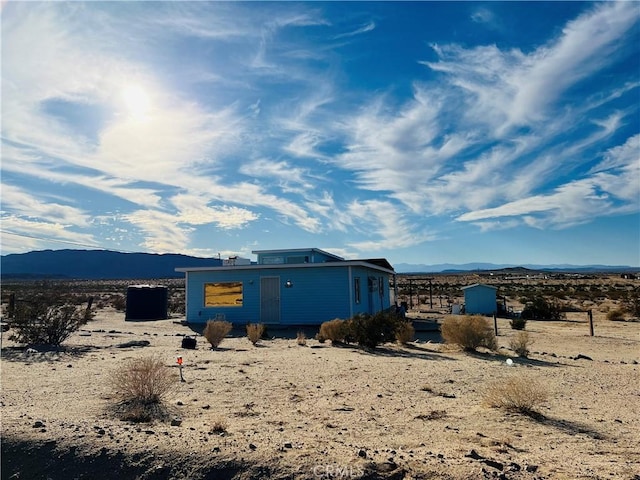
321,411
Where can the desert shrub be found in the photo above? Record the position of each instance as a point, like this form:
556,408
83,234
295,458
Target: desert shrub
218,427
44,324
520,344
215,331
177,303
517,394
335,330
542,309
518,323
254,332
301,339
140,386
468,331
404,332
616,315
370,330
631,302
118,302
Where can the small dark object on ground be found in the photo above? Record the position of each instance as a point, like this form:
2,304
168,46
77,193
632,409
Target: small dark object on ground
189,343
134,343
580,356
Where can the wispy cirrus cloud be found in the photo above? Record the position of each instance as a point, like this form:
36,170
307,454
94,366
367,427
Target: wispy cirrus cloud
27,205
406,152
575,202
256,116
364,28
391,229
160,232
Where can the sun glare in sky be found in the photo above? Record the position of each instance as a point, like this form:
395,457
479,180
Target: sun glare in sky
136,102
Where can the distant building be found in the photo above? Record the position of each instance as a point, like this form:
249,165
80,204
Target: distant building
480,299
287,287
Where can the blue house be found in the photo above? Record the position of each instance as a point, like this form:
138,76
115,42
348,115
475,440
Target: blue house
480,299
288,287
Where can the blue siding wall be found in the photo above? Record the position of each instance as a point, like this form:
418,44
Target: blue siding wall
370,299
317,294
248,312
480,299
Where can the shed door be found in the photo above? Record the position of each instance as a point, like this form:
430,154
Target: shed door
270,299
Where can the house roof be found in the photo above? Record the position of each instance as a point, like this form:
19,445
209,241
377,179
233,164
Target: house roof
475,285
375,264
296,250
381,262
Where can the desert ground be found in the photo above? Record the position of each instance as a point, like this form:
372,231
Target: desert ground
285,411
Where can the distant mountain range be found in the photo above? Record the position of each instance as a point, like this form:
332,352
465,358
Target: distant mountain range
98,264
490,267
105,264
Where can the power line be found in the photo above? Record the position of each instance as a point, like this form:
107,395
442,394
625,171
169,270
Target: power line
43,239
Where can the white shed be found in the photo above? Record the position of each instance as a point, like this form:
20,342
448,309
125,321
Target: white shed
480,299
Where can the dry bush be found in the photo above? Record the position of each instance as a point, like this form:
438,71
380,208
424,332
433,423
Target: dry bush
140,385
215,331
518,323
218,427
404,332
516,394
371,330
301,339
255,332
468,331
432,415
521,343
45,323
616,315
335,330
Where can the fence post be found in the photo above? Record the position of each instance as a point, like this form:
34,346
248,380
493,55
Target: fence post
495,323
590,313
11,309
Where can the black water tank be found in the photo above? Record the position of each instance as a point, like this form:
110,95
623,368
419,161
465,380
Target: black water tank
147,302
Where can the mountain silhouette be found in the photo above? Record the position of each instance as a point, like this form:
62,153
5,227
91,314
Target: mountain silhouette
98,264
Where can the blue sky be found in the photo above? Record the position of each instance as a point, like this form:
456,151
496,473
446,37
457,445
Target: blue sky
421,132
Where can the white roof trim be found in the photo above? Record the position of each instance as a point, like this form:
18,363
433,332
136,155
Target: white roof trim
479,285
345,263
296,250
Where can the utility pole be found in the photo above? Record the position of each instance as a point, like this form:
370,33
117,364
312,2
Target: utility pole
410,294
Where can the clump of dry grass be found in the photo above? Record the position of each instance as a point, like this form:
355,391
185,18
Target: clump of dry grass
616,315
218,427
140,386
255,332
301,339
404,332
518,323
469,331
520,344
432,415
335,330
427,388
516,394
215,331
